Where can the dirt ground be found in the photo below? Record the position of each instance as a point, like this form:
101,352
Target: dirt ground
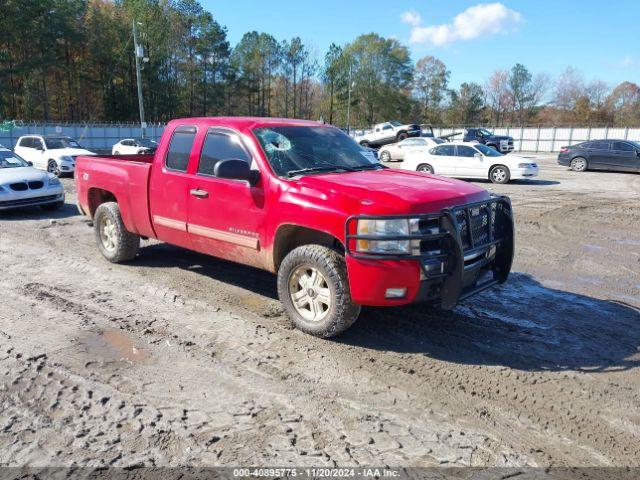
178,358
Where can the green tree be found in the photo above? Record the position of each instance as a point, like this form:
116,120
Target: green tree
430,80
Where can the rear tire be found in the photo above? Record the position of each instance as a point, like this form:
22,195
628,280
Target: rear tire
425,168
315,278
499,174
402,136
385,156
114,241
579,164
52,167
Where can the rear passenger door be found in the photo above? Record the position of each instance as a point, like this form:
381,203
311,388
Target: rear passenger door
624,157
170,185
226,217
599,154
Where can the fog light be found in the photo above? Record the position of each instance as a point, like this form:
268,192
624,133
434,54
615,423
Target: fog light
395,293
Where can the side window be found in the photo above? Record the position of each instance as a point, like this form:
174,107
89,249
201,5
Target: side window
464,151
621,147
26,142
180,148
599,145
446,150
220,146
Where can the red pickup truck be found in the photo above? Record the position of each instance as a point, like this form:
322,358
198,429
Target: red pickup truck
305,201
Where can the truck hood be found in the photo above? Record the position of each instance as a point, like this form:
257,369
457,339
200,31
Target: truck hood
389,191
22,174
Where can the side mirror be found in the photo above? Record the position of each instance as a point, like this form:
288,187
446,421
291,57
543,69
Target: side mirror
40,147
235,169
478,155
30,164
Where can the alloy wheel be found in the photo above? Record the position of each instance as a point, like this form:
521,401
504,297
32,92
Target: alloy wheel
310,293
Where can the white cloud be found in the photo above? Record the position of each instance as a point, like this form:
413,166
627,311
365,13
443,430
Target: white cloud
628,61
482,20
411,17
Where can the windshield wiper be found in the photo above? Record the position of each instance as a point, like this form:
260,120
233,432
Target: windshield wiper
323,168
372,166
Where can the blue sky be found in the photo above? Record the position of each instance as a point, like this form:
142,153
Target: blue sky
473,38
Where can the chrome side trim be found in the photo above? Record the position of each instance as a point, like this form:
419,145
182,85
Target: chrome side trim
170,223
223,236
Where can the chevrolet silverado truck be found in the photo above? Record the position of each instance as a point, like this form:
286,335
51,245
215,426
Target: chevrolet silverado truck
304,201
501,143
388,132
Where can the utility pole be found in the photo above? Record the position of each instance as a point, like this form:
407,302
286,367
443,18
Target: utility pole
139,54
349,100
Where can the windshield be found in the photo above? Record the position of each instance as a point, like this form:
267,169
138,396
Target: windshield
485,132
292,150
395,123
55,143
11,160
145,142
487,151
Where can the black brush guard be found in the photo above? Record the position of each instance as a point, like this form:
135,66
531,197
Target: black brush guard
460,233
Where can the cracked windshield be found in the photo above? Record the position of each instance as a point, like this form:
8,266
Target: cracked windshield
297,150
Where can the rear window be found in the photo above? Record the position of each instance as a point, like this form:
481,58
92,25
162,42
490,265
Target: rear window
180,148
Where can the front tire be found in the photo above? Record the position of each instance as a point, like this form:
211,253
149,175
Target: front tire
579,164
385,156
500,174
114,241
425,168
314,289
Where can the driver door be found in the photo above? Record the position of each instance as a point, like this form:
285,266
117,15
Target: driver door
467,164
226,217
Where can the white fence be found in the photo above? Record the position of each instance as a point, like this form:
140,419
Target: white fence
551,139
531,139
95,136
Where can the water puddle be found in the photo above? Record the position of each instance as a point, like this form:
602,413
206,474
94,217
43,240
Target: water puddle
114,346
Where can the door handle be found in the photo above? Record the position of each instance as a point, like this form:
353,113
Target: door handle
196,192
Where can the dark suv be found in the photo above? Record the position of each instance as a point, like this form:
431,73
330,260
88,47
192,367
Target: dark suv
620,155
501,143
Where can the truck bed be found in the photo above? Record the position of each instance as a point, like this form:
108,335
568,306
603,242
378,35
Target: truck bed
126,177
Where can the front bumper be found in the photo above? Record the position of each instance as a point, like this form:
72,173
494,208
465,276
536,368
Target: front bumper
523,173
31,201
506,146
460,257
67,167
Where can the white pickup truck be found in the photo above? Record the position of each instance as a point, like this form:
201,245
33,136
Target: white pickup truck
386,133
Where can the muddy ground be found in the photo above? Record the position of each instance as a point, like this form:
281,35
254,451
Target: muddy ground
178,358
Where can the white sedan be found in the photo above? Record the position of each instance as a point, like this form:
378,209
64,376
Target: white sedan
396,152
470,160
134,146
21,185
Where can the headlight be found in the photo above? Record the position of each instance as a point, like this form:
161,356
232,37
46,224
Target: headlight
54,181
384,228
66,158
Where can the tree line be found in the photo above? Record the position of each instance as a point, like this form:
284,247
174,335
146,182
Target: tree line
72,60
